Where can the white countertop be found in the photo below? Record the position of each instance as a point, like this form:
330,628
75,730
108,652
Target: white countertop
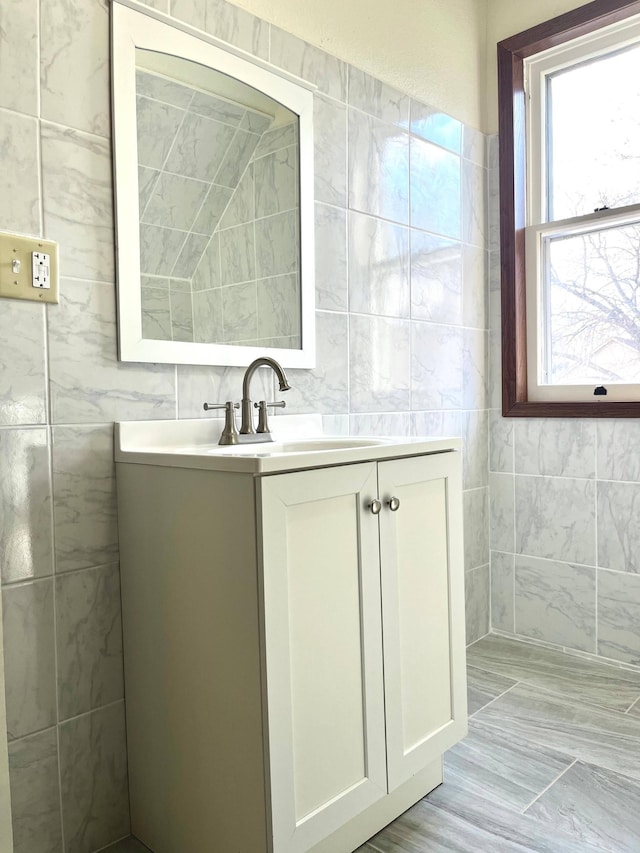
298,444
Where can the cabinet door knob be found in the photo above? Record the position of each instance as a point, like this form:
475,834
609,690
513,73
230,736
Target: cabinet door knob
375,506
393,504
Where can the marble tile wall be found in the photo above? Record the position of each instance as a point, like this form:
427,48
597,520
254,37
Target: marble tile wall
564,509
402,322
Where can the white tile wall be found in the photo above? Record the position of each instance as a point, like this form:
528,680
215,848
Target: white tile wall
402,348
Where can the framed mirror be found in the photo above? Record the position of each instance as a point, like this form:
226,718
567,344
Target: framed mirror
213,162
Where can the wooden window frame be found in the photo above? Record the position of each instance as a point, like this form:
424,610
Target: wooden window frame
512,170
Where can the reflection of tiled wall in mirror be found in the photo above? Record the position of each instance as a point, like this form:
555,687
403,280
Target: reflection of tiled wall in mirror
218,197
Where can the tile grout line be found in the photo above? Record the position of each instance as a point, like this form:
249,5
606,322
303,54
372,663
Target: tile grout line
513,468
578,654
632,705
55,575
347,255
93,711
490,585
112,844
268,39
61,723
176,390
32,734
527,473
410,272
557,779
54,593
553,693
75,130
50,446
596,542
495,699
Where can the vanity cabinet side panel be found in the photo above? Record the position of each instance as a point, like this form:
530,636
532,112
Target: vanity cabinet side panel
192,659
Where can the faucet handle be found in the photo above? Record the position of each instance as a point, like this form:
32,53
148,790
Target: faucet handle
208,406
263,403
230,432
262,407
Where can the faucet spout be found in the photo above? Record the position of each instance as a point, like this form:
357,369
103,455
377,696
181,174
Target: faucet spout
264,361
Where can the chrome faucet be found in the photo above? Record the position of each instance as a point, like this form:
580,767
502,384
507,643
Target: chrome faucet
246,427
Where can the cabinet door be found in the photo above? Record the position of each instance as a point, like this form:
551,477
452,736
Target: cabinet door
423,610
322,633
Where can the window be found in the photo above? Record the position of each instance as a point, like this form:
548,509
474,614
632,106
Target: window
570,214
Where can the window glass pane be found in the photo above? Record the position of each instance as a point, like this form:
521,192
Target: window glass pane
594,135
592,307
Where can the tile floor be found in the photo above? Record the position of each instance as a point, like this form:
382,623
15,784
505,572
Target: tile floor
551,763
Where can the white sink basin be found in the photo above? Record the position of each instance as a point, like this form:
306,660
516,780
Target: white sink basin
310,445
298,443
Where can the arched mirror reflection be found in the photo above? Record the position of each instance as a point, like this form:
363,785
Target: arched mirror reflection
217,260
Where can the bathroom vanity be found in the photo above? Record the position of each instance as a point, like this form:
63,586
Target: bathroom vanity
294,634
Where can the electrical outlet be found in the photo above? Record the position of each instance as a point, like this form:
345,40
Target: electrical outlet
28,268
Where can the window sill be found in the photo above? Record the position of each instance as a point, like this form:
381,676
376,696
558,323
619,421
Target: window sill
545,409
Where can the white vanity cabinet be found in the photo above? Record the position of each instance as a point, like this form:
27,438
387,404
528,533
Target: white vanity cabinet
294,661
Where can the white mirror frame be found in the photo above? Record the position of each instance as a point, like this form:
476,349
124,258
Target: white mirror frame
149,30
